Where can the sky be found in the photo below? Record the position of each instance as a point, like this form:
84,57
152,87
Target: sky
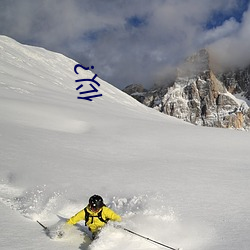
132,41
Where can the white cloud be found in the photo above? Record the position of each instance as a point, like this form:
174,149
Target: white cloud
228,28
97,32
233,50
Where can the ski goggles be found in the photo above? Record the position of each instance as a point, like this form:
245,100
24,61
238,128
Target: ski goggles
94,208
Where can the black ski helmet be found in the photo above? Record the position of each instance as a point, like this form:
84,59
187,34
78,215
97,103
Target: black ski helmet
96,202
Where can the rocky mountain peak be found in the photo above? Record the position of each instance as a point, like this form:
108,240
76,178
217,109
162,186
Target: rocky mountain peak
196,64
202,97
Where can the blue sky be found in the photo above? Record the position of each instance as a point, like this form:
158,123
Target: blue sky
132,41
218,17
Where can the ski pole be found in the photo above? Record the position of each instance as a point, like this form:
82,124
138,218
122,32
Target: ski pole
45,228
146,238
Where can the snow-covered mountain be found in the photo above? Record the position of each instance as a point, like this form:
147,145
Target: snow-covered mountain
182,185
202,96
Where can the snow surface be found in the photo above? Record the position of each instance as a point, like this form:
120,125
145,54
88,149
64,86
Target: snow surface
182,185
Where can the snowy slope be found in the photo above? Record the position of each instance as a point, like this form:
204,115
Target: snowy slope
179,184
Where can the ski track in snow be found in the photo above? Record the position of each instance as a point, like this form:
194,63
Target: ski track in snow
43,117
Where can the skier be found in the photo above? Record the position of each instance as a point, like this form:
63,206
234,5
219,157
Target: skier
95,214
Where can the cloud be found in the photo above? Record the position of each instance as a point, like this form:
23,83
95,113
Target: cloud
127,41
228,28
233,49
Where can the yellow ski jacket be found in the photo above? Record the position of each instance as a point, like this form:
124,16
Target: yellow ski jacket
94,223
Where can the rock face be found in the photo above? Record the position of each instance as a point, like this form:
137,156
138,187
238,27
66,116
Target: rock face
201,97
137,91
237,81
